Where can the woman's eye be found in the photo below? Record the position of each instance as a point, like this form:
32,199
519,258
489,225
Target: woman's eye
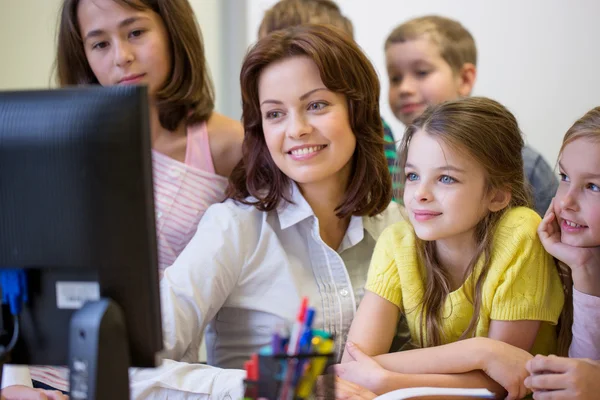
319,105
273,114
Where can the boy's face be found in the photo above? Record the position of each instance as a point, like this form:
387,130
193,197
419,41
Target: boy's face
419,77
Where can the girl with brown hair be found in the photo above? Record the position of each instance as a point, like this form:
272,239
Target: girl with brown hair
469,262
155,43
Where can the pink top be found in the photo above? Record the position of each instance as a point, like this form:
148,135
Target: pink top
182,193
586,326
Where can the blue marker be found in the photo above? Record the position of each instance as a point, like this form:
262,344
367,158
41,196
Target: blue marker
305,344
306,337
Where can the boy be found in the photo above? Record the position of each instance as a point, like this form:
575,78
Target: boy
433,59
286,13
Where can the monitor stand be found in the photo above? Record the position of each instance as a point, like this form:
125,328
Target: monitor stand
99,352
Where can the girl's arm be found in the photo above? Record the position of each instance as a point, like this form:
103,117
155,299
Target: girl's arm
520,334
584,263
371,373
479,362
372,331
374,326
456,364
586,326
225,138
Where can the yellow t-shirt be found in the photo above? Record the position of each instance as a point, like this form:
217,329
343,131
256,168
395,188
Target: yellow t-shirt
522,282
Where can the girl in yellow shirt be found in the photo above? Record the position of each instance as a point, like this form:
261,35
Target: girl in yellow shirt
468,262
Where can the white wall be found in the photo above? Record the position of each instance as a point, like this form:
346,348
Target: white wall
27,42
538,57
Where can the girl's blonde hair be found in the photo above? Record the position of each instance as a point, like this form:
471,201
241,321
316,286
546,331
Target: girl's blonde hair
587,127
486,131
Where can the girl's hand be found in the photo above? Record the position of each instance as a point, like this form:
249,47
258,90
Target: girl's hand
558,378
363,371
583,261
506,365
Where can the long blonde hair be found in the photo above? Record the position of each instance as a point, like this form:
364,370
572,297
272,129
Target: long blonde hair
489,133
587,127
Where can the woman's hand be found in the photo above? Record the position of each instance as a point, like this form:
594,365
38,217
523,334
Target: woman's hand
20,392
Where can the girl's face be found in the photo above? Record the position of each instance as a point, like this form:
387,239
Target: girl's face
124,46
445,192
306,125
577,201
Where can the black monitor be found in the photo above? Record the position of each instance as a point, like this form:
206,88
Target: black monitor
77,215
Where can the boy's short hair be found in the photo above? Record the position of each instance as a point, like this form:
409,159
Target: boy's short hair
287,13
455,42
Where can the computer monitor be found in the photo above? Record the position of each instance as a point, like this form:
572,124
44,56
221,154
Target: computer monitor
77,214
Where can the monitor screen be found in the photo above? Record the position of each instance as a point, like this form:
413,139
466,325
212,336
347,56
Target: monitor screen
77,212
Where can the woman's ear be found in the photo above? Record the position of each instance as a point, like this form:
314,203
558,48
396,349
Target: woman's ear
499,199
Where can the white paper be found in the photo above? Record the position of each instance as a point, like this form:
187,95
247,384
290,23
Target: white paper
409,393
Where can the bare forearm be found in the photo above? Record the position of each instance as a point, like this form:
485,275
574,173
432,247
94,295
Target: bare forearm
474,379
453,358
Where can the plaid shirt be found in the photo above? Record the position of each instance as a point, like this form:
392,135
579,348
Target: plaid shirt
391,155
541,177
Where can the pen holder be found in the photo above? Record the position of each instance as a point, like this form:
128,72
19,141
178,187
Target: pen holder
284,377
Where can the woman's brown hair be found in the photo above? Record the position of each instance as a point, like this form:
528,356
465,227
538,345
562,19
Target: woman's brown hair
586,127
187,94
344,69
486,131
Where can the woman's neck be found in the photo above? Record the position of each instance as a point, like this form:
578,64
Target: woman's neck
324,198
455,254
169,143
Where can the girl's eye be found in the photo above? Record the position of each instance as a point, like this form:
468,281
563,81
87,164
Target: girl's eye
593,187
136,33
100,45
411,176
319,105
563,177
447,179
